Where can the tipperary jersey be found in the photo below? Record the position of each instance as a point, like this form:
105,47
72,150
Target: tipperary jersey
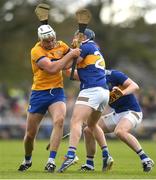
43,80
91,69
124,103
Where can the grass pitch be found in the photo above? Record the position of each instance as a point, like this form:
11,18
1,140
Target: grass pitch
126,166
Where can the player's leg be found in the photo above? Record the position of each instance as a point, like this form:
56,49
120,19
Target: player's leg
98,133
57,112
107,122
90,145
33,121
122,130
80,114
96,130
107,125
88,101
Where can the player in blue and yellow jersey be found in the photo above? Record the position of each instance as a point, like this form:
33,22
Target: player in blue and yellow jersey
48,58
92,98
124,114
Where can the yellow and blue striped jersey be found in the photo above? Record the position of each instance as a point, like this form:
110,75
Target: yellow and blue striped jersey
91,69
43,80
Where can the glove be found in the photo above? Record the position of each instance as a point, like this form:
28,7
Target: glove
115,94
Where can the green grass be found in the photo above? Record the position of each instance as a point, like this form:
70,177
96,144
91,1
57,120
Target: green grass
127,164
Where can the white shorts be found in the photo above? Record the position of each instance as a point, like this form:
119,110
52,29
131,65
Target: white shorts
96,98
112,119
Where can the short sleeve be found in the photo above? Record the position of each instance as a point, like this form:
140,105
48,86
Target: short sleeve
119,77
37,54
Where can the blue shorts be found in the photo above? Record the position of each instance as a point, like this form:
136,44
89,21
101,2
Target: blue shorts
41,100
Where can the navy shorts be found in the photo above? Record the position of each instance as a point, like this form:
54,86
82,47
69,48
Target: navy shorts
41,100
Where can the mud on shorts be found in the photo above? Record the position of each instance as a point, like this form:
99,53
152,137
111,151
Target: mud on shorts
96,98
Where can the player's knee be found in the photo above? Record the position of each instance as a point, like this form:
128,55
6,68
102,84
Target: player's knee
91,128
86,130
119,132
59,122
76,121
29,136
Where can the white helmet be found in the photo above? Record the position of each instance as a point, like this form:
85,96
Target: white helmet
46,31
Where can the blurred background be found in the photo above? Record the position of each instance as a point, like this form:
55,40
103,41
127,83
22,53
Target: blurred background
125,31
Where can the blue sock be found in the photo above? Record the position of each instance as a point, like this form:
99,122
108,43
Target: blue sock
90,161
142,154
105,152
28,158
52,154
71,151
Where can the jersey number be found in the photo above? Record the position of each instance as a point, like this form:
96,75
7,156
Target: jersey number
100,63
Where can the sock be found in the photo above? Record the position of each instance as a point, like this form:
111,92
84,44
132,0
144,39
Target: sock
71,151
28,159
142,155
52,156
90,161
105,152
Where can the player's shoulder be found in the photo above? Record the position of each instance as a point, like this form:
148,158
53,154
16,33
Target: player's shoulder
61,44
110,72
88,43
89,47
37,47
113,73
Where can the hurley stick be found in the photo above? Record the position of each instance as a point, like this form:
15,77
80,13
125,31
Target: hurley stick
83,17
42,12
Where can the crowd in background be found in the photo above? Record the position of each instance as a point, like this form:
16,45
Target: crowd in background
14,103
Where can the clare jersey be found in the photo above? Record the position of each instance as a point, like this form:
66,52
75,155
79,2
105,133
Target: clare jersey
124,103
91,69
43,80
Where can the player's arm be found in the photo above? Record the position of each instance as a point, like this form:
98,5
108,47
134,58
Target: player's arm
69,65
129,87
53,67
79,59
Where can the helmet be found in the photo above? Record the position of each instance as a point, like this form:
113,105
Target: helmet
89,33
46,31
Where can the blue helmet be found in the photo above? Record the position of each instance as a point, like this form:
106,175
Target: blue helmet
89,33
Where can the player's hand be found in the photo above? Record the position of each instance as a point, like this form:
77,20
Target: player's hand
75,52
115,94
68,72
75,43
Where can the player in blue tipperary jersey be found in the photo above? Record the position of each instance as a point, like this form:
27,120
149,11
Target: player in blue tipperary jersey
92,98
125,114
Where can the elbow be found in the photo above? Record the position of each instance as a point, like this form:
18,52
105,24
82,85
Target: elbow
136,87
